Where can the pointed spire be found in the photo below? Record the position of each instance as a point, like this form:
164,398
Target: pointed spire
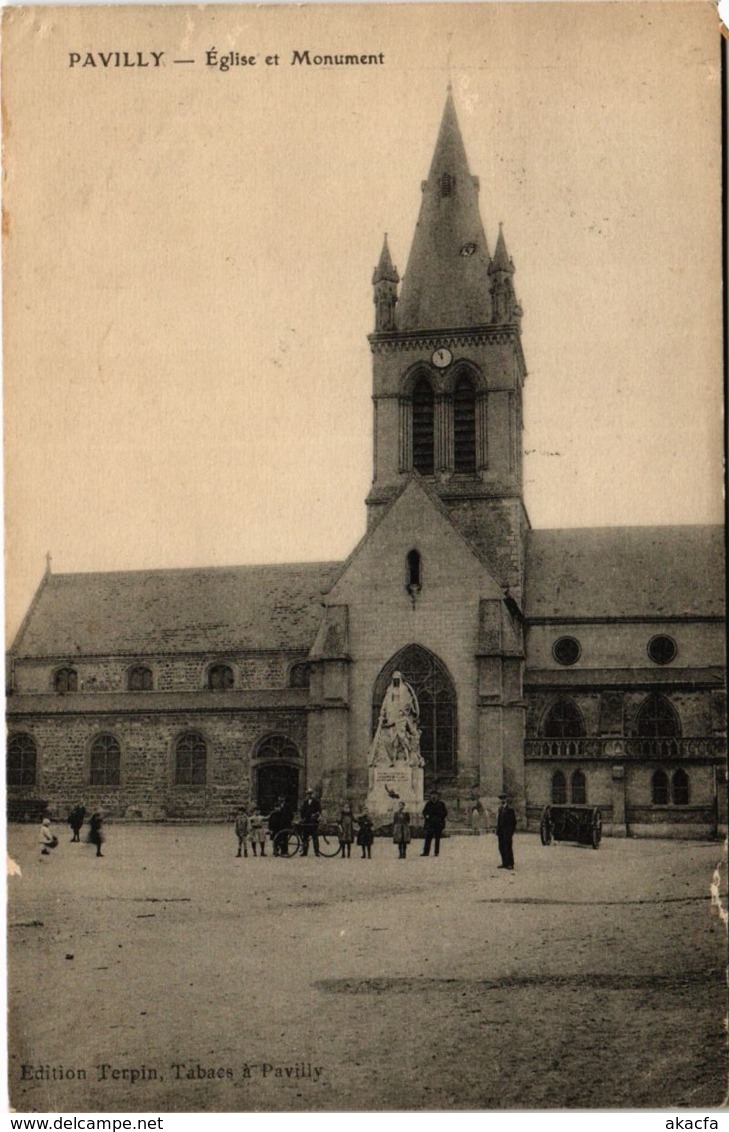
445,284
385,281
503,298
501,260
385,269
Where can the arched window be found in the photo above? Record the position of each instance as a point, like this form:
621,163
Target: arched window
414,571
659,788
423,428
191,758
139,679
579,788
277,747
105,768
564,726
657,727
447,183
680,788
464,426
220,677
22,760
66,680
436,695
564,720
299,675
559,788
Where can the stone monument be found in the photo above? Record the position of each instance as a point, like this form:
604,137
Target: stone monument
395,762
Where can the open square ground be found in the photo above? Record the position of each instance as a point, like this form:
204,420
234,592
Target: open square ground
172,976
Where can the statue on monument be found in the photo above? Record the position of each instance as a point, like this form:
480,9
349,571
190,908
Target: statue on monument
397,738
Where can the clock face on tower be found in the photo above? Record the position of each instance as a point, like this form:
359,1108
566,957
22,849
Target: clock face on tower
442,357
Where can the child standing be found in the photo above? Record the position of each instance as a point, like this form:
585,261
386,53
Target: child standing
257,834
346,830
241,831
401,830
365,833
48,839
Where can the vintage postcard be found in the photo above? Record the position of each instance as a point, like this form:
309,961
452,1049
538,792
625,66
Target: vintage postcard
364,557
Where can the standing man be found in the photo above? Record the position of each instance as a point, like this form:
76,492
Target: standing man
505,826
310,814
435,814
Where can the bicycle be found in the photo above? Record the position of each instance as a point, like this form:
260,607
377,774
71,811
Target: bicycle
290,842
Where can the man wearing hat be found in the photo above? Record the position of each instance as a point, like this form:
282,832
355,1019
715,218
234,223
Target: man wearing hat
505,826
310,814
434,819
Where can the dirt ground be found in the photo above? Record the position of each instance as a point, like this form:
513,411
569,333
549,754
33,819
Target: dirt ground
582,980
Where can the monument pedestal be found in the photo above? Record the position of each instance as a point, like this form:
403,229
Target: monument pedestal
405,781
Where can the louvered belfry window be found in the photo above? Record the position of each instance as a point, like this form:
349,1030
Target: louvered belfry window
423,429
464,426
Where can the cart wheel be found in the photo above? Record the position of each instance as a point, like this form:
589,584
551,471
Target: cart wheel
329,842
545,829
596,832
287,843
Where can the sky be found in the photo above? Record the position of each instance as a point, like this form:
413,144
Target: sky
189,253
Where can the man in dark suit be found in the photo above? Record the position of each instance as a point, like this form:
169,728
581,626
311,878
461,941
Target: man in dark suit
434,815
309,823
505,826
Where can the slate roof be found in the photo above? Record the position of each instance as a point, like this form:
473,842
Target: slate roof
210,610
625,572
656,572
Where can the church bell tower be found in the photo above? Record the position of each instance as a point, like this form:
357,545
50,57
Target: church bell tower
448,367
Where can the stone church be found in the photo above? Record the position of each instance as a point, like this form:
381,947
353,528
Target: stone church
577,665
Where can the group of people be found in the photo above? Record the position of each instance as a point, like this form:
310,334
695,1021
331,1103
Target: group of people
359,829
250,828
95,836
435,813
434,820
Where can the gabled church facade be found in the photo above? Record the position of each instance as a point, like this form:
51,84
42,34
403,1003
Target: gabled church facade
582,666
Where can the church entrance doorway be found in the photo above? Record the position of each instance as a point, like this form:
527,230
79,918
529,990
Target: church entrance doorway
276,769
274,781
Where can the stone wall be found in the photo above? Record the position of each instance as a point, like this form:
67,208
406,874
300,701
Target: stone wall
169,673
147,789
